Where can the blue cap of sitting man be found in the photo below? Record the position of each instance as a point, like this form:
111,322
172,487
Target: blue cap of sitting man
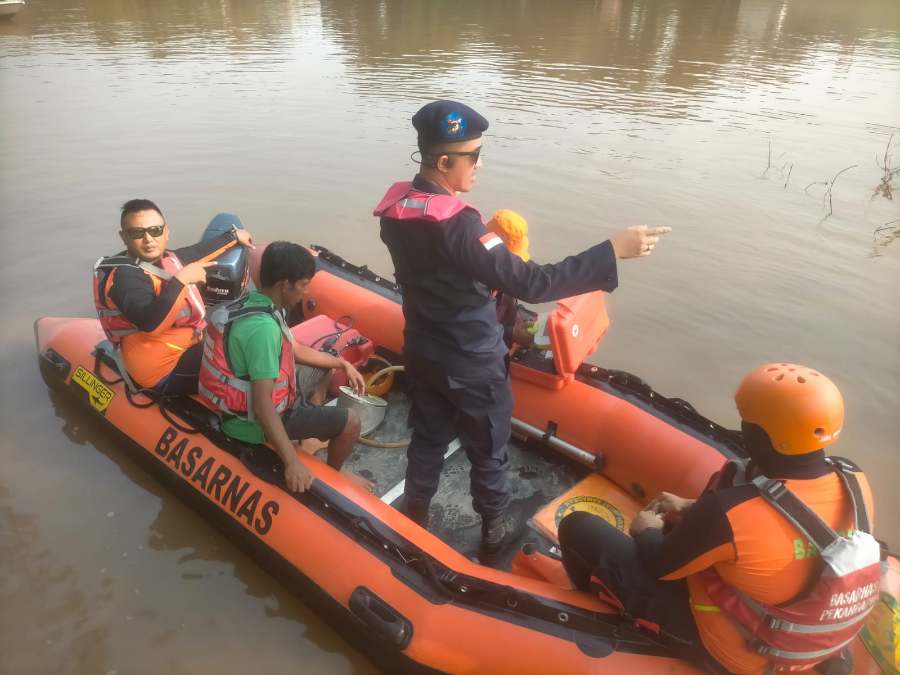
447,122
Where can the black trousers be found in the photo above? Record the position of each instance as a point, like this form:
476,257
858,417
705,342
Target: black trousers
185,375
474,405
592,547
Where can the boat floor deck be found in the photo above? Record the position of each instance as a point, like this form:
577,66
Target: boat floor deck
537,476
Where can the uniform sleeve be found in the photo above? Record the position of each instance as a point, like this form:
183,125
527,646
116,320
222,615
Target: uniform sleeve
206,250
261,342
132,293
471,246
702,538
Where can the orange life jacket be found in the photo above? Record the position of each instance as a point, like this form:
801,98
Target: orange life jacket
114,323
223,391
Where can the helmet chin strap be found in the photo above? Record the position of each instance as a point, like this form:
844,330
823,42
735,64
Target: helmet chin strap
772,463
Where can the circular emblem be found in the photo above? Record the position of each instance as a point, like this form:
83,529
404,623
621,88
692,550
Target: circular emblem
454,125
595,505
575,330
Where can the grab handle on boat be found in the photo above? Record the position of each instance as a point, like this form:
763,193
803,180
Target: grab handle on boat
380,617
57,362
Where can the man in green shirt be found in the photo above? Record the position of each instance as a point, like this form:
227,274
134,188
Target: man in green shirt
257,347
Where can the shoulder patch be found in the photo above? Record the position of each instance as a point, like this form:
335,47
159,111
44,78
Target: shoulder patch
489,240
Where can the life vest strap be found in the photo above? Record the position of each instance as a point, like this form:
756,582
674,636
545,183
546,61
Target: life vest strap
115,261
787,626
777,495
767,650
122,332
851,482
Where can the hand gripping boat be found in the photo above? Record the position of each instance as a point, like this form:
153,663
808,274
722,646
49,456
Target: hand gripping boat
586,438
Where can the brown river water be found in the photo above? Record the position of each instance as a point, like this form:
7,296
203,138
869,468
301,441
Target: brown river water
712,116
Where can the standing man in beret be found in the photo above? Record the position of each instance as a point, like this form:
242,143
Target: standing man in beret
447,264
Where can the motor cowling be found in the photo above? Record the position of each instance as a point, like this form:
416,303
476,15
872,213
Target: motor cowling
227,279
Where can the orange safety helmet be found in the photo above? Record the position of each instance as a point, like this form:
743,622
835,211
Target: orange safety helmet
801,410
513,230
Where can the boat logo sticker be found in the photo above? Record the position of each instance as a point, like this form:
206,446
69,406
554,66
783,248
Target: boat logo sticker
99,395
594,505
879,634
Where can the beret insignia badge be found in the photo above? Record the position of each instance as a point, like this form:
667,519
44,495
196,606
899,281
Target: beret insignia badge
454,125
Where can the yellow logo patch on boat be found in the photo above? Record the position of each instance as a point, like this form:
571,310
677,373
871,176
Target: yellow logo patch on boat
594,505
99,395
881,634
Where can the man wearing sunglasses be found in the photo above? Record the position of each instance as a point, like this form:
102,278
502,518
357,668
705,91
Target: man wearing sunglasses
148,302
447,264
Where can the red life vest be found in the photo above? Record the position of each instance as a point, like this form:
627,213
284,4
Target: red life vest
403,202
799,634
224,392
114,323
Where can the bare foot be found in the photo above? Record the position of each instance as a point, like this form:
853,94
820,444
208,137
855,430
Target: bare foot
311,445
366,485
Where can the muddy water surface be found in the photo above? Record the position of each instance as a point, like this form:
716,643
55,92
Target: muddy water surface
721,118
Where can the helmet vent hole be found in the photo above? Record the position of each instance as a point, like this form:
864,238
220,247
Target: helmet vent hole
780,377
792,369
801,380
819,432
769,370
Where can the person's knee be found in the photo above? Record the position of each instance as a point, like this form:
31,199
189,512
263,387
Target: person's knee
575,525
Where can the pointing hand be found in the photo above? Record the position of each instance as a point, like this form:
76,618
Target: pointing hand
637,241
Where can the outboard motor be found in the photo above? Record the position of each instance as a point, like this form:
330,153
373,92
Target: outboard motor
226,280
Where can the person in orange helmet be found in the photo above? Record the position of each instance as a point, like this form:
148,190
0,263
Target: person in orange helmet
754,540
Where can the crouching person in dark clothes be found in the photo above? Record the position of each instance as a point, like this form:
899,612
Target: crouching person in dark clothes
757,540
250,375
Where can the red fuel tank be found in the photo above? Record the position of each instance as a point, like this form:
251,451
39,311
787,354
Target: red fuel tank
329,335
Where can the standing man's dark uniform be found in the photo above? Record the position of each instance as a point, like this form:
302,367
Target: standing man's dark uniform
457,365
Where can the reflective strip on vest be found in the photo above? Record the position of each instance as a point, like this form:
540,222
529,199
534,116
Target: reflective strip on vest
765,650
219,385
787,626
122,332
409,203
236,382
707,608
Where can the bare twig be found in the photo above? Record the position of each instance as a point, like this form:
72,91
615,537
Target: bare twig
829,186
818,182
878,231
885,187
884,235
788,179
769,160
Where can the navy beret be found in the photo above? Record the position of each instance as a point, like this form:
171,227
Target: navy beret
448,122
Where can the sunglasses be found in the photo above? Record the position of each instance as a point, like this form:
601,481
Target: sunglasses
474,154
139,232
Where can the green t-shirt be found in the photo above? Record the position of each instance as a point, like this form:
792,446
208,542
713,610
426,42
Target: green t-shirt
254,351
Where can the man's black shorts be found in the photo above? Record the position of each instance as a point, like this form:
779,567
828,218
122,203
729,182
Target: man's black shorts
314,422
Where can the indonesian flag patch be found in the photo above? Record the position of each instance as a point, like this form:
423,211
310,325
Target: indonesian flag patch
489,240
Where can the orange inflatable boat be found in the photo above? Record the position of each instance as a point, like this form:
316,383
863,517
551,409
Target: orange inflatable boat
586,438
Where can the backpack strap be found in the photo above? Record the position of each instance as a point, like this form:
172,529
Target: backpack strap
799,514
847,473
240,311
